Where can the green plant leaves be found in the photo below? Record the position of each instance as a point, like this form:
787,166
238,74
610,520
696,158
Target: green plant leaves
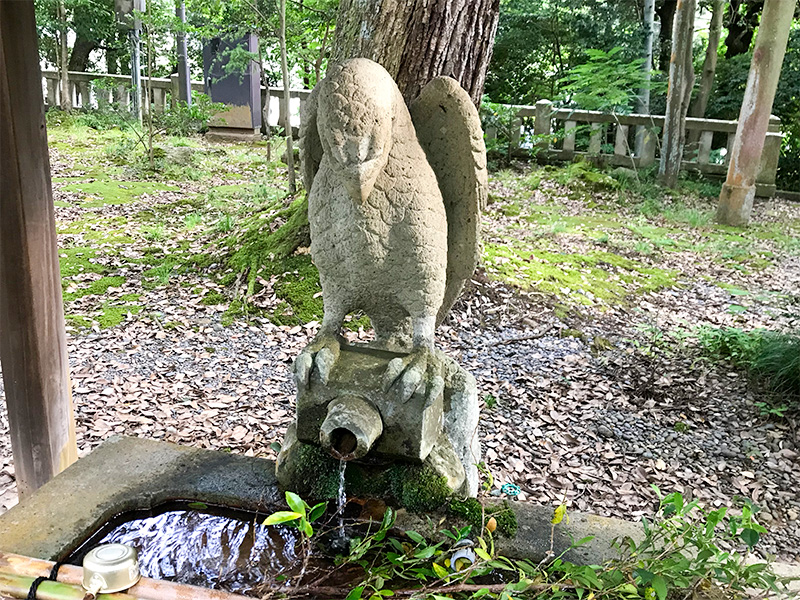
296,503
439,570
282,516
316,512
660,586
750,537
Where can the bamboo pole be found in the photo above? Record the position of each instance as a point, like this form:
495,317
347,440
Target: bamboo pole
17,586
14,565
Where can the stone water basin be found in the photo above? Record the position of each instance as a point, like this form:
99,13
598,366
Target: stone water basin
132,474
206,546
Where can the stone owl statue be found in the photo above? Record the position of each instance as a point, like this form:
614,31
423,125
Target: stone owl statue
394,201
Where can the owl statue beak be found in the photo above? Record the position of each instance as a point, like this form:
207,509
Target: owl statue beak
360,179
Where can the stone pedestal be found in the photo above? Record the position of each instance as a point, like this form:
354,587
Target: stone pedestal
428,442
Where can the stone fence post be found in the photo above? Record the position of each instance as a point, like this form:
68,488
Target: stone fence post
542,122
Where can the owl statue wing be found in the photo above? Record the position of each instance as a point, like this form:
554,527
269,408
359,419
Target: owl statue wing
449,130
310,145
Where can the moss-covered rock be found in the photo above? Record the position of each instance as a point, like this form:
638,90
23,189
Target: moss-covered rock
315,475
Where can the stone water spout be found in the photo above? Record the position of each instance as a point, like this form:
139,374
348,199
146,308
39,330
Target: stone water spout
350,428
394,200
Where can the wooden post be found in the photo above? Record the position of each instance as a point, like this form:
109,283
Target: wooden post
33,346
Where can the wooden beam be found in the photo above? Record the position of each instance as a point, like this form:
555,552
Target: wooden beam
33,347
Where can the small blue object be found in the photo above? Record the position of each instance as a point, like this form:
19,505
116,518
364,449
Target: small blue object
509,489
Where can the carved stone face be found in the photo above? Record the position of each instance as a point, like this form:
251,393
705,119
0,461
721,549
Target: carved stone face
356,126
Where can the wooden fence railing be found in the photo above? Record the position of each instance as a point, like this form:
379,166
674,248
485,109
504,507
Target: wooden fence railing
564,134
554,133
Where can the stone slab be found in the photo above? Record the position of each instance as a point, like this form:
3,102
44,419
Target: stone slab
233,134
125,474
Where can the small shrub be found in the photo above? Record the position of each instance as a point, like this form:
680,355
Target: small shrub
225,223
772,359
183,120
502,119
154,233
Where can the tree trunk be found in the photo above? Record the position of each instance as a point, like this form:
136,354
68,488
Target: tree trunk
741,27
418,40
184,76
681,81
738,192
63,68
698,107
79,59
700,103
287,124
33,344
643,101
666,16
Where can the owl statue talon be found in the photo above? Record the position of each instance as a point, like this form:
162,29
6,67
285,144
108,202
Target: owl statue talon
319,357
409,375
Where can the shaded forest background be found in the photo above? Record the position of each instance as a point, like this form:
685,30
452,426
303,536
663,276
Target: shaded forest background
539,48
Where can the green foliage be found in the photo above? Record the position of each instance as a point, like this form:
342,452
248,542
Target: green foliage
726,101
502,120
701,549
301,514
607,82
772,359
684,551
538,42
183,120
309,33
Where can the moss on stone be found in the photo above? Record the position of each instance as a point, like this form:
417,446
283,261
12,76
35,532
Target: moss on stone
413,487
319,471
418,488
473,512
